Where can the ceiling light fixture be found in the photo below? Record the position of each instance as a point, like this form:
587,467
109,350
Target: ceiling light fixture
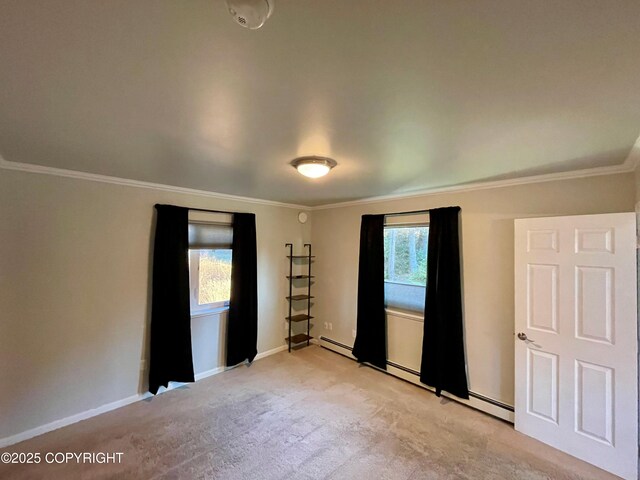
250,14
313,166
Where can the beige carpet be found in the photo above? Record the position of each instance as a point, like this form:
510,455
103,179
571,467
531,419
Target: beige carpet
307,415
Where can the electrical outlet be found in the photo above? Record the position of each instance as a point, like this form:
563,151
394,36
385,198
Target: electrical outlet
353,333
326,326
330,326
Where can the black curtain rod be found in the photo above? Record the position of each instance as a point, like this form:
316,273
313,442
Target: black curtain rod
397,214
197,209
210,211
414,212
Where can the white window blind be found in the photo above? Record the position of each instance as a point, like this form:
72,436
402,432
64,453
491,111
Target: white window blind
404,296
210,231
210,236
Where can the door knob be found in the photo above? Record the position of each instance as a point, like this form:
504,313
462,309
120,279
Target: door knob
523,337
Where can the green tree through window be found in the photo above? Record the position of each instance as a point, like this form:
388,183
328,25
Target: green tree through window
405,254
405,266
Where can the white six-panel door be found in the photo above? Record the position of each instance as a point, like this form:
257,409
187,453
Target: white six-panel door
576,342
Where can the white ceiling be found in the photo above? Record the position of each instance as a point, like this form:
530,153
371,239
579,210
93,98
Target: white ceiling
405,94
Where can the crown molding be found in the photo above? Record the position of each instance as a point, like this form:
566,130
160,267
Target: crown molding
633,159
628,166
94,177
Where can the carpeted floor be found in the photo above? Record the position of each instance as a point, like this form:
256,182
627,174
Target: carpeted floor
307,415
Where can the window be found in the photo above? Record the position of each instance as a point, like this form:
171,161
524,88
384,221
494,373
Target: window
210,278
405,266
210,238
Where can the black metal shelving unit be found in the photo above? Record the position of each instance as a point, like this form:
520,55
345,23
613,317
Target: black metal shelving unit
299,338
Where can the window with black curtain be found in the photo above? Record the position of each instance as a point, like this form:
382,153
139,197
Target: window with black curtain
405,262
210,261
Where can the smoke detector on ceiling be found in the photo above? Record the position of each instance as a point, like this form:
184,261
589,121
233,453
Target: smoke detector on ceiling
250,14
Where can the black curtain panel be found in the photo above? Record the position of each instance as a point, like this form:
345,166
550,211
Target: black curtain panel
242,328
371,339
170,350
443,361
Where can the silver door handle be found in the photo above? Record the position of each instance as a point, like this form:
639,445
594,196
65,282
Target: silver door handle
523,337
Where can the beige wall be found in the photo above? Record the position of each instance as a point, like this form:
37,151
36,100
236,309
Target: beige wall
74,273
74,296
487,236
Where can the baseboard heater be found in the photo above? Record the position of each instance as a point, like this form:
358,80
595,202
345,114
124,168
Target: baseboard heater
476,400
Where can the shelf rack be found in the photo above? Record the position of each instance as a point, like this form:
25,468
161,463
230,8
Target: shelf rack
300,317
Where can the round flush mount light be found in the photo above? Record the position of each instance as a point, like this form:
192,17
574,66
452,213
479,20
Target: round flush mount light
312,166
250,14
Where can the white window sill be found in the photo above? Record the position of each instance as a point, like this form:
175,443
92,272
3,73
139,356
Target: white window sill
411,316
209,312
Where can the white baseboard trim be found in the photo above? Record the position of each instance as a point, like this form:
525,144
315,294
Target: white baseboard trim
34,432
209,373
78,417
473,402
273,351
